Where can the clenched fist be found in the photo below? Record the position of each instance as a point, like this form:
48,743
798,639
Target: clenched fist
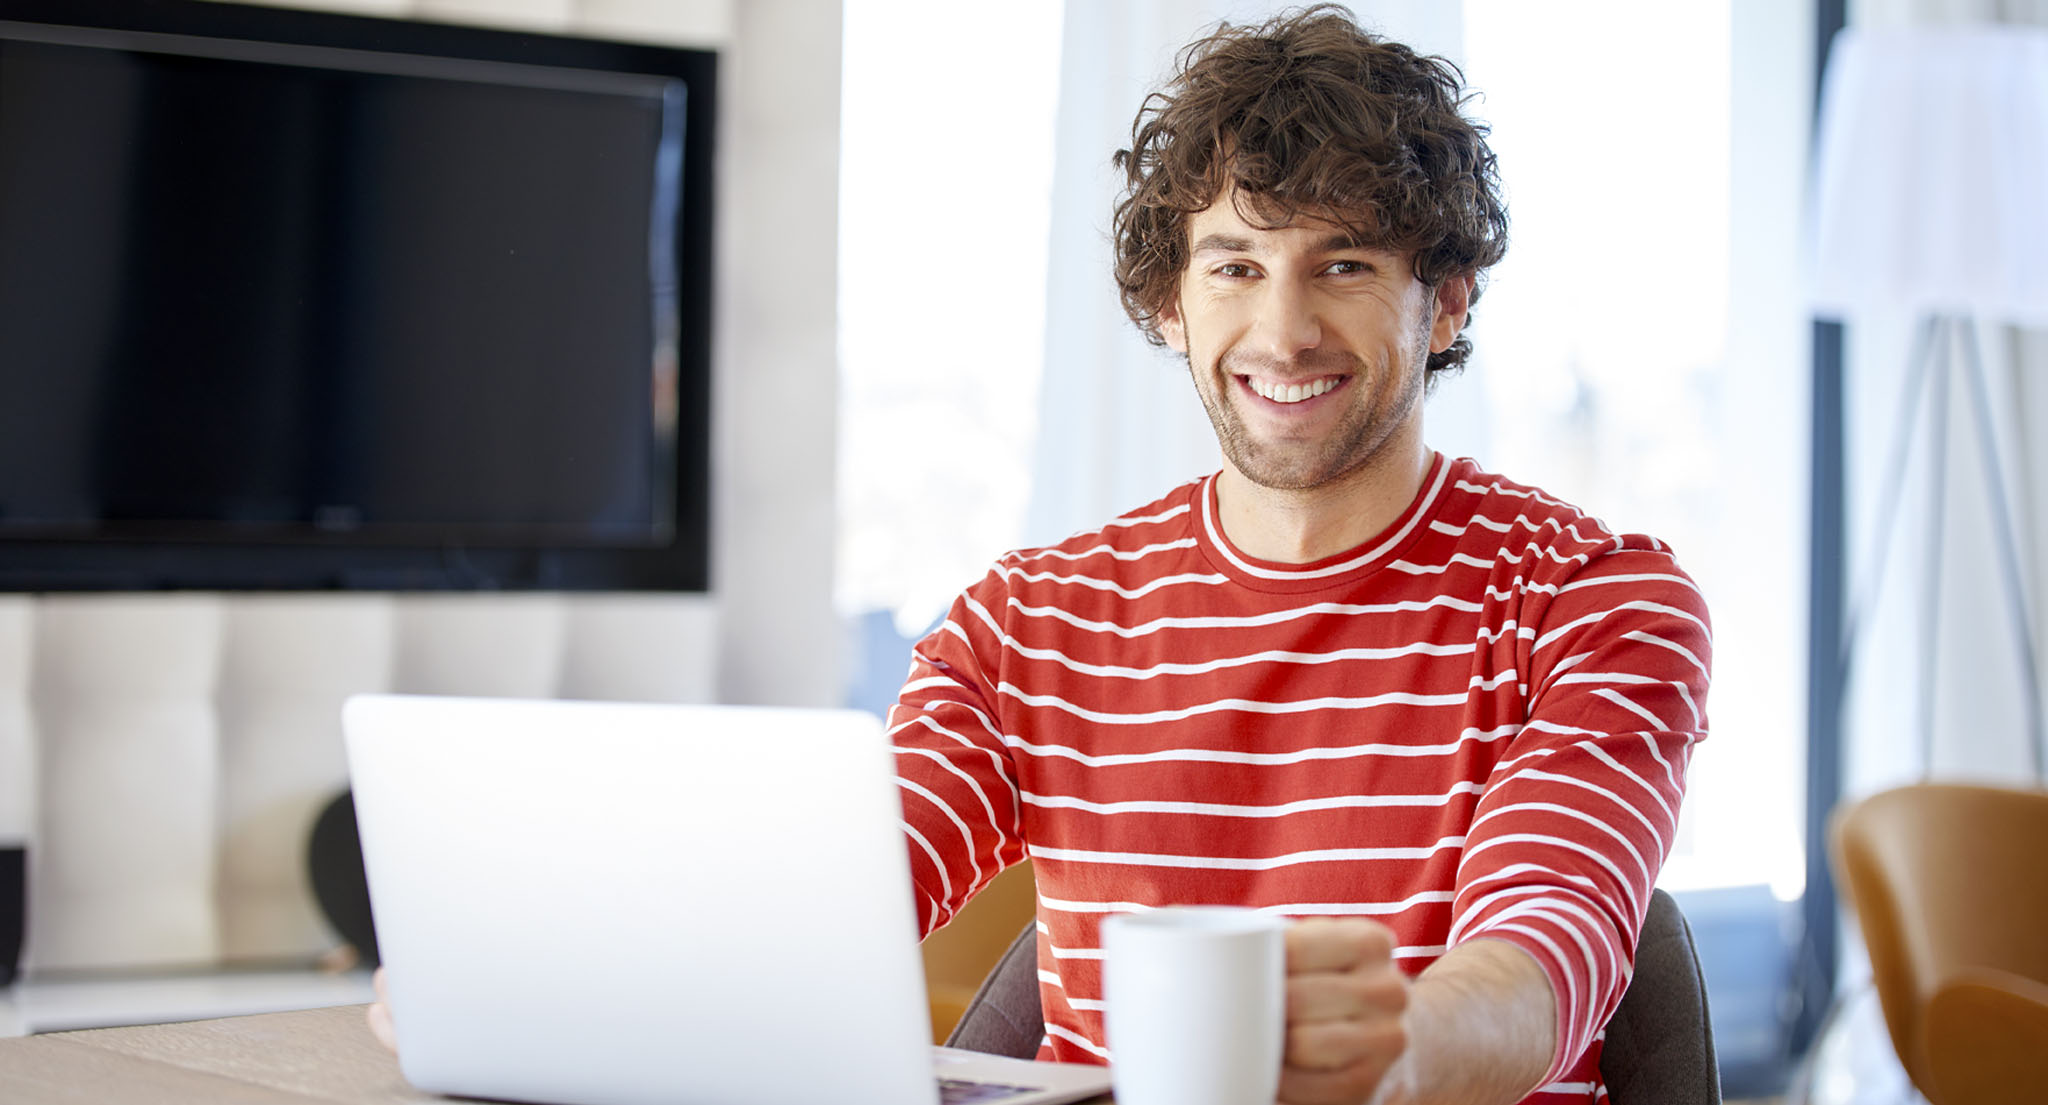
1345,1000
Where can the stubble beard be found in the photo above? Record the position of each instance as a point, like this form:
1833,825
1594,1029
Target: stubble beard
1356,441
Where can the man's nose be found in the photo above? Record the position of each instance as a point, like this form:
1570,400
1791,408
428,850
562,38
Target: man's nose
1289,322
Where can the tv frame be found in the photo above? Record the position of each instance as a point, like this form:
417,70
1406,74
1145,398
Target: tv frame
313,561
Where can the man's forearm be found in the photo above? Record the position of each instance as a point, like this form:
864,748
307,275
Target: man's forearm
1482,1028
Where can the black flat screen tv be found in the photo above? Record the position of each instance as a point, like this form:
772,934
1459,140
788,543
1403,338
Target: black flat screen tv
292,300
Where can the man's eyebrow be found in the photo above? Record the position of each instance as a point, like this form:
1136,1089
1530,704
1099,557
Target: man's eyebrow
1222,243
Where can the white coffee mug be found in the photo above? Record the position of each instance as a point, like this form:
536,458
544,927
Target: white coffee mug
1194,1005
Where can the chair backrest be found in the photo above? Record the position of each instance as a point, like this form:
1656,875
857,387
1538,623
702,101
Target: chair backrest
1659,1049
1660,1042
1948,882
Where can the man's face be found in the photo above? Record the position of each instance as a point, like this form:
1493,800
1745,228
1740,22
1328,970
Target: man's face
1307,347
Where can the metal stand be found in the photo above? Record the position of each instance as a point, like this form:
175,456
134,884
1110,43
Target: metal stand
1932,367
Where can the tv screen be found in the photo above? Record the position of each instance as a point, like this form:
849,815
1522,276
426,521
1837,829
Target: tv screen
297,300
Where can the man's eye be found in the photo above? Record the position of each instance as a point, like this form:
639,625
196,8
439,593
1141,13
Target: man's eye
1234,271
1349,268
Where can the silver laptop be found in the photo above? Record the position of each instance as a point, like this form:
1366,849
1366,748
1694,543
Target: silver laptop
609,904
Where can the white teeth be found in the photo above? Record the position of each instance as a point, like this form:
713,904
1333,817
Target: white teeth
1293,393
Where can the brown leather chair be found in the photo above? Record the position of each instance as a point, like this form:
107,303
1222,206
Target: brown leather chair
1950,885
1659,1049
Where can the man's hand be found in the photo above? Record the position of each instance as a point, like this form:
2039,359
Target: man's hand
1345,1000
380,1014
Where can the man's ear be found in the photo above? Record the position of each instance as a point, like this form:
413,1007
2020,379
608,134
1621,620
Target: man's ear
1170,326
1453,303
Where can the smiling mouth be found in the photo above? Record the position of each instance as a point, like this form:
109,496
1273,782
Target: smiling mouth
1282,392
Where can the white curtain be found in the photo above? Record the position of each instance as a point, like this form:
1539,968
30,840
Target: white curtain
1119,423
1979,710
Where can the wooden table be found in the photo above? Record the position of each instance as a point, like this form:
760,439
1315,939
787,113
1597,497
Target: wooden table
314,1057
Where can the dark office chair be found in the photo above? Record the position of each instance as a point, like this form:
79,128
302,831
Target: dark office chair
1659,1051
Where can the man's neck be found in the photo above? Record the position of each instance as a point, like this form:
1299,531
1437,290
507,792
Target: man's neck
1300,527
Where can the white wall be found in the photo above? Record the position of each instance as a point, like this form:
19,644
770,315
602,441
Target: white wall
777,390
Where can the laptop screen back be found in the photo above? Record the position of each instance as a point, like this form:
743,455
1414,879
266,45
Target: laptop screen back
608,904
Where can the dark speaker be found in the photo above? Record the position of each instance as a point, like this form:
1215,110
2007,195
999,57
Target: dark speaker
334,862
13,908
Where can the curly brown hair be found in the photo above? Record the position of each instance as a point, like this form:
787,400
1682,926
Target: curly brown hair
1307,113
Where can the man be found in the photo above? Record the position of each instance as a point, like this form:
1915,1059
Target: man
1443,718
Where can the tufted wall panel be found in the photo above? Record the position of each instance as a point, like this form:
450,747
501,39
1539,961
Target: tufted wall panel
121,705
286,664
165,755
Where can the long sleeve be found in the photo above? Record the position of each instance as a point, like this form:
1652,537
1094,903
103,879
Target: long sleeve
960,796
1582,809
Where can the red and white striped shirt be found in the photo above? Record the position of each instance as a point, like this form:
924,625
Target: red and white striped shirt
1477,723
